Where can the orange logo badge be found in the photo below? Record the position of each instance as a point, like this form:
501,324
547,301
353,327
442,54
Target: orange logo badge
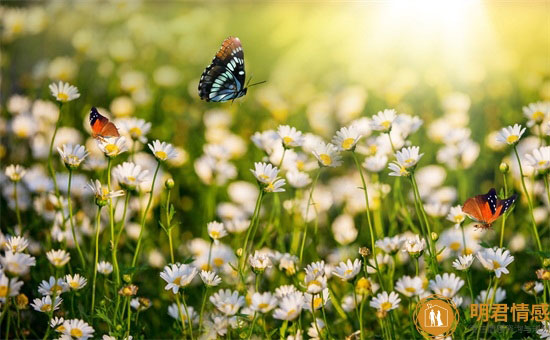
436,316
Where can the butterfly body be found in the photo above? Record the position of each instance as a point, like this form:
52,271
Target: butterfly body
101,126
224,78
486,209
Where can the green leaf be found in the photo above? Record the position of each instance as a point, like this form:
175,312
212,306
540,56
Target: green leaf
484,245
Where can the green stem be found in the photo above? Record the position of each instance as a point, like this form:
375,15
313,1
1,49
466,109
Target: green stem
50,165
534,225
112,223
168,225
250,227
307,213
503,217
69,201
253,325
144,216
129,319
468,279
122,223
188,316
96,257
202,307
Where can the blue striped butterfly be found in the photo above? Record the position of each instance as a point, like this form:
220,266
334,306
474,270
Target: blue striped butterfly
224,78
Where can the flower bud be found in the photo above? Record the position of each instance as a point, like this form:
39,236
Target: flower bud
504,168
21,301
169,184
435,236
363,286
546,263
239,252
127,278
364,251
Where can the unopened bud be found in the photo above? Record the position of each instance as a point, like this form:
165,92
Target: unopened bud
169,184
435,236
239,252
504,168
546,263
127,278
364,251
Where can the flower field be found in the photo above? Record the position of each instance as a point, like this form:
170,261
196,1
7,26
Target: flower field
388,152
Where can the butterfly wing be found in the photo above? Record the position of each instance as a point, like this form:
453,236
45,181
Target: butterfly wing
101,126
109,130
472,208
224,78
505,204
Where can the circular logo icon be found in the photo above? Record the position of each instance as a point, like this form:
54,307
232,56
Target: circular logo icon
436,316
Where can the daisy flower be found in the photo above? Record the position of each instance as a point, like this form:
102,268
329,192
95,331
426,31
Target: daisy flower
463,262
447,285
162,151
53,286
398,170
346,138
56,323
316,300
483,297
408,156
290,307
72,155
75,281
327,155
544,332
101,194
265,173
263,302
375,163
385,302
16,244
105,267
216,230
456,215
536,112
298,179
8,287
64,92
136,128
210,278
290,136
316,268
44,304
347,270
130,175
383,120
510,134
275,186
182,313
78,329
285,290
58,258
227,301
495,259
315,283
259,262
15,172
409,286
539,159
312,330
17,263
390,245
178,276
112,146
414,245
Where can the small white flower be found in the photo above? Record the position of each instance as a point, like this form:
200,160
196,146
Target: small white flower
290,136
216,230
105,267
383,120
510,134
385,302
182,313
316,268
327,155
140,304
112,146
290,307
130,175
16,244
409,156
409,286
17,263
57,321
263,302
456,215
162,151
447,285
275,186
483,297
347,270
44,304
78,329
536,112
64,92
312,330
259,262
495,259
317,300
15,172
285,290
8,287
136,128
210,278
265,173
227,301
540,159
398,170
75,281
53,286
375,163
102,194
463,262
298,179
58,258
315,283
178,276
346,138
414,245
390,245
72,155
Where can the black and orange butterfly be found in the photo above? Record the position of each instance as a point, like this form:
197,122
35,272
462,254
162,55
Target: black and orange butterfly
101,126
486,209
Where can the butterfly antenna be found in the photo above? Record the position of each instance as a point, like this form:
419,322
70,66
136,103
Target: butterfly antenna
258,83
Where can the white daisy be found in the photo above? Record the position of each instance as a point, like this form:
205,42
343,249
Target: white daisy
64,92
53,286
227,301
510,134
265,173
136,128
259,262
540,159
72,155
483,297
216,230
495,259
44,304
275,186
298,179
463,262
15,172
140,304
375,163
285,290
536,112
59,257
112,146
104,267
130,175
347,270
17,263
8,287
346,138
315,283
383,120
182,313
290,307
162,151
409,286
78,329
398,170
390,245
317,300
456,215
75,281
263,302
408,156
16,244
210,278
178,276
414,245
385,302
102,194
290,136
447,285
327,155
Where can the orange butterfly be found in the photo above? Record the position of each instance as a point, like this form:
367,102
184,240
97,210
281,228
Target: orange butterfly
487,208
101,126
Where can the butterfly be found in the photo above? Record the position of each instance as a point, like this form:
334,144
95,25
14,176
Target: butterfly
101,126
224,78
487,208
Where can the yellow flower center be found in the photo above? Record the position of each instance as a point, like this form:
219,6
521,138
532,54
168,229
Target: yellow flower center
512,139
348,272
496,265
317,302
72,159
45,307
131,179
410,289
205,267
214,234
270,187
409,161
373,148
454,246
177,280
386,306
403,171
325,159
291,312
74,284
263,305
348,143
75,332
135,131
363,283
263,176
62,96
161,155
459,218
287,140
300,165
218,261
111,149
56,289
386,124
3,291
60,329
538,116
